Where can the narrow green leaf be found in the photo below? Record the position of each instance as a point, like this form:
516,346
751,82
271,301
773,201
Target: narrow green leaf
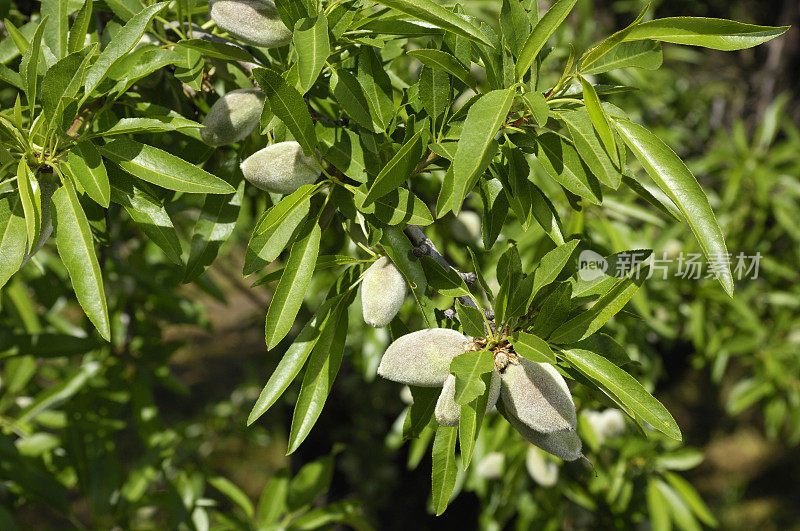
60,85
55,31
714,33
29,66
30,194
399,250
626,388
377,88
645,54
471,320
551,265
60,392
692,498
546,215
434,91
321,370
85,164
554,310
217,50
163,169
76,249
446,281
397,170
514,25
311,481
673,177
289,106
601,50
444,468
680,511
158,124
484,120
561,161
588,322
234,493
468,368
13,235
533,348
470,421
589,146
313,48
441,60
394,208
351,97
495,210
658,508
213,228
292,361
543,30
599,118
420,412
292,287
284,209
120,45
272,502
80,26
433,13
537,104
264,248
147,212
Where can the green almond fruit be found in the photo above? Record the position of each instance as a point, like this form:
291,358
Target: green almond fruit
383,291
232,117
537,395
281,168
422,358
447,412
542,470
253,22
562,443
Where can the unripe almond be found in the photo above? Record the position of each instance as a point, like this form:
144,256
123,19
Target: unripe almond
422,358
448,412
466,226
383,291
537,395
232,117
542,470
253,22
281,168
607,424
491,466
563,443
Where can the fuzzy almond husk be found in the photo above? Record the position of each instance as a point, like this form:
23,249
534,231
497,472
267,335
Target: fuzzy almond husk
563,443
281,168
383,291
422,358
537,395
253,22
232,117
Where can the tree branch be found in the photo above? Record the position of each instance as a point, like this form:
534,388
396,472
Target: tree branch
423,246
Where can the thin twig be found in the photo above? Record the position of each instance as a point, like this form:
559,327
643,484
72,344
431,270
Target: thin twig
423,246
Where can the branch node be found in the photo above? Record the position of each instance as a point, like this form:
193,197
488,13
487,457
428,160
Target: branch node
423,249
469,278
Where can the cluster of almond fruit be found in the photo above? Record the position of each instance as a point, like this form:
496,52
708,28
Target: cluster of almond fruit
532,396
